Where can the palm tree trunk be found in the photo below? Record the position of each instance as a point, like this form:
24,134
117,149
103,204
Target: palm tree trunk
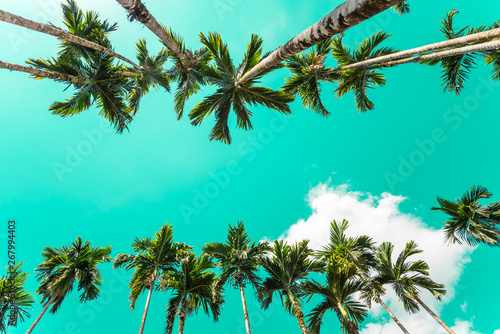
37,320
448,329
42,73
144,315
139,12
300,317
59,33
350,326
396,320
182,320
245,311
345,16
474,38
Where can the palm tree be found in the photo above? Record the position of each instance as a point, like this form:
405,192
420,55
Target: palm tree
231,94
407,277
337,295
151,258
64,266
345,16
238,261
194,286
38,73
287,268
469,221
73,17
15,300
402,8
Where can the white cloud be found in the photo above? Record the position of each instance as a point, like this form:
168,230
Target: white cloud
464,307
497,331
380,218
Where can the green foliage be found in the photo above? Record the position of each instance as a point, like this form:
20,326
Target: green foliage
232,95
64,266
469,221
402,8
359,80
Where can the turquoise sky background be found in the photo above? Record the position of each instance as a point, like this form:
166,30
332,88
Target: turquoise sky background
127,186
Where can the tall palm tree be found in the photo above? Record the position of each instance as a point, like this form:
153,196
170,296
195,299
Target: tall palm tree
15,300
238,261
345,16
286,269
338,295
469,221
38,73
151,258
73,17
230,93
194,285
63,267
407,277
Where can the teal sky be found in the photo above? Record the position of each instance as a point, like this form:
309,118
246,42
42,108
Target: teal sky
114,188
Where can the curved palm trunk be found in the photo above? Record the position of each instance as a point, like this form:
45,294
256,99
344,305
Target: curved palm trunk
42,73
300,317
474,38
37,320
345,16
351,326
139,12
144,315
396,320
245,311
182,320
448,329
59,33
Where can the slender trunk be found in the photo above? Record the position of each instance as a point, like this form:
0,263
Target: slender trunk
245,311
448,329
345,16
59,33
42,73
474,38
182,320
350,326
493,45
300,317
144,315
139,12
396,320
45,308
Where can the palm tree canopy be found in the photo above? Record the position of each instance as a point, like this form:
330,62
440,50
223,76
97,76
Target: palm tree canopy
232,95
15,300
151,258
194,285
470,221
238,257
405,277
402,8
288,266
63,266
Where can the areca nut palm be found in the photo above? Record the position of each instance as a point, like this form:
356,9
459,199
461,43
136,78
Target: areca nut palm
63,267
71,36
152,257
15,300
407,277
233,94
238,261
345,16
287,268
194,285
469,221
338,295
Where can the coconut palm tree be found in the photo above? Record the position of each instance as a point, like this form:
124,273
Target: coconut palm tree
407,277
15,300
151,258
288,266
345,16
194,285
238,261
338,296
79,25
469,221
231,94
63,267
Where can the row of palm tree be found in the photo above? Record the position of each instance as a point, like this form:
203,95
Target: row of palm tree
86,61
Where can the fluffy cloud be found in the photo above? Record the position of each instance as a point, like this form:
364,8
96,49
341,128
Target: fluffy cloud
380,218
